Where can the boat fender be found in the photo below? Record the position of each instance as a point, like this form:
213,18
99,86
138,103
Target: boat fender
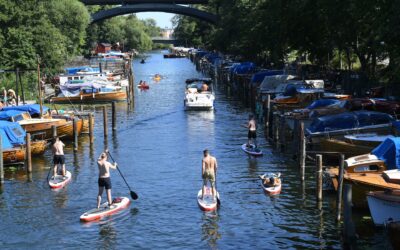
117,200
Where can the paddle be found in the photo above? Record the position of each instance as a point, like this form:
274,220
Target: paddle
133,194
218,200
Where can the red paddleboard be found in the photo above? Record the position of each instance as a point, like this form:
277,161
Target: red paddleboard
119,203
207,203
60,181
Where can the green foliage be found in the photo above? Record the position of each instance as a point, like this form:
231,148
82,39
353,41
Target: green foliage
324,31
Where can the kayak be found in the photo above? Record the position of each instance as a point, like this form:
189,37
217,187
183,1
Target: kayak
119,203
59,181
141,86
268,189
252,150
207,204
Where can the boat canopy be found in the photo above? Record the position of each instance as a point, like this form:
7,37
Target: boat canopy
270,83
349,120
259,76
12,134
205,80
32,109
389,152
6,115
243,68
321,103
293,88
75,70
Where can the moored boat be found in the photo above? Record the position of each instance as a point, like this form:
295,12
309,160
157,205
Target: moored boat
384,206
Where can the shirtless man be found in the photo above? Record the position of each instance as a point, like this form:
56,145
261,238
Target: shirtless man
58,156
104,177
204,87
209,169
252,134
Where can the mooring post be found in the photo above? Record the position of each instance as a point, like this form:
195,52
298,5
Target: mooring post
266,116
75,133
105,121
54,132
302,151
1,162
28,155
91,136
319,177
340,188
114,117
349,230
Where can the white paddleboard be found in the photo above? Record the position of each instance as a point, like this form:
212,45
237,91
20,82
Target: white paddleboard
252,150
119,203
207,203
60,181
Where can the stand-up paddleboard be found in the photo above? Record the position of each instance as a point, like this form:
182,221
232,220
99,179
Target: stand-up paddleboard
59,181
273,189
251,149
119,203
207,203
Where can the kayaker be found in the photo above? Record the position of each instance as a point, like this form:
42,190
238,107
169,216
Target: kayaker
104,177
252,134
58,156
208,172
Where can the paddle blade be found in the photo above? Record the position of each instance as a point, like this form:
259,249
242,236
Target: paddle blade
134,195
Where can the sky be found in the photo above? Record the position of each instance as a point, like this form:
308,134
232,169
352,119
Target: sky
163,19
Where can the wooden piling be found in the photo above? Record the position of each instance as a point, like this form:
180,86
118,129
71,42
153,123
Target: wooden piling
28,155
91,136
266,117
302,152
275,129
114,117
349,230
105,121
340,187
54,132
319,177
282,136
75,133
1,162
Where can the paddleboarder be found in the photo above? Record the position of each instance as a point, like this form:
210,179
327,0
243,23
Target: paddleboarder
209,170
252,134
58,156
104,177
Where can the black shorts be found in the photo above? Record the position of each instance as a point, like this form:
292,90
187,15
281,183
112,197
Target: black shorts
105,182
252,134
58,159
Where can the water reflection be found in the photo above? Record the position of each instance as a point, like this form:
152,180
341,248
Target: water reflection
252,165
107,235
61,198
209,229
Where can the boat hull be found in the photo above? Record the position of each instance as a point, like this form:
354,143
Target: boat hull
13,156
384,207
119,96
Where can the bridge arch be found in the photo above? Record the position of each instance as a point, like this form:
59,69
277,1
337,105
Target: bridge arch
169,8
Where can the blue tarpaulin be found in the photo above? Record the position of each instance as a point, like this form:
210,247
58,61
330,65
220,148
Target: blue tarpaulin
349,120
389,152
324,103
75,70
259,76
12,134
6,115
32,109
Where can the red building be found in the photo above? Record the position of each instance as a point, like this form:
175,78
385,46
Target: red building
103,48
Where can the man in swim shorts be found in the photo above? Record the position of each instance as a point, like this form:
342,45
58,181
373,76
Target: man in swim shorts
104,177
209,169
252,134
58,156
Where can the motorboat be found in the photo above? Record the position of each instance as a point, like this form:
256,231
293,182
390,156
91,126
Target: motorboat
384,206
198,94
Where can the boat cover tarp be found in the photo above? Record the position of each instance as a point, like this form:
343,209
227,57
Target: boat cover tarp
12,134
6,115
75,70
349,120
32,109
71,90
325,103
389,152
270,83
243,68
259,76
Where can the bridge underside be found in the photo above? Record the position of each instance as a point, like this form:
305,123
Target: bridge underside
121,2
156,7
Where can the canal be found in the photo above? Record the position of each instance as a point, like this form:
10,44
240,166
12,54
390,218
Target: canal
158,147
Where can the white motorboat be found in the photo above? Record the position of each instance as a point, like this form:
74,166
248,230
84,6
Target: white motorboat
384,206
198,94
